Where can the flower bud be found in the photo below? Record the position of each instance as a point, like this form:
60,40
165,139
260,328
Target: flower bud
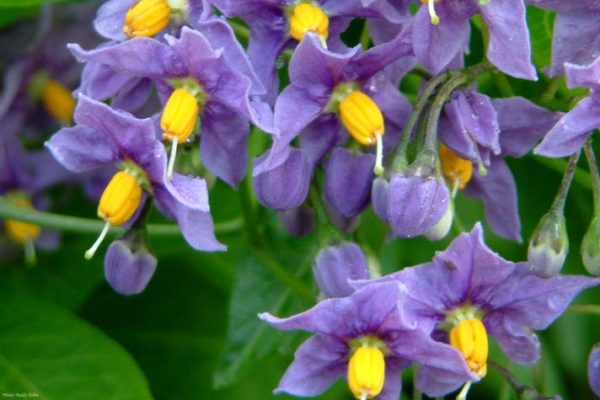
549,245
366,372
128,268
309,18
441,229
470,337
590,247
594,370
147,18
298,221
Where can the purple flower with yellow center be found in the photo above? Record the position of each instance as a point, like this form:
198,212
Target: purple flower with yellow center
469,292
120,20
131,145
572,130
366,337
276,25
330,92
195,81
478,130
441,33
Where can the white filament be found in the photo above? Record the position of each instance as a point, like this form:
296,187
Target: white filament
172,159
92,250
379,156
463,393
434,17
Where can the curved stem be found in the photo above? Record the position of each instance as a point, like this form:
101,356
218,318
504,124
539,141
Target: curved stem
67,223
591,159
559,201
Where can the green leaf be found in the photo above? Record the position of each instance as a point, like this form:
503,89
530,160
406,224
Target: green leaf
45,351
31,3
10,16
250,340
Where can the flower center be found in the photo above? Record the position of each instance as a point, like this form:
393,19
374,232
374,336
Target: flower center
470,337
147,18
118,203
309,18
366,372
458,171
363,119
180,116
435,20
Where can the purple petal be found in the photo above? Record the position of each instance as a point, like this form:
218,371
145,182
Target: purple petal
518,342
111,18
366,311
498,191
265,46
348,180
572,130
522,124
138,57
298,221
285,186
334,266
223,143
320,136
575,38
127,272
71,147
584,75
380,198
317,364
392,387
509,47
437,46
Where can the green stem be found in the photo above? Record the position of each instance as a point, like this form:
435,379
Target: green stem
550,91
66,223
591,159
249,213
365,37
592,309
582,177
400,159
561,197
240,29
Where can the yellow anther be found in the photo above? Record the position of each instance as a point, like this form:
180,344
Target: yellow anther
179,116
120,199
435,20
309,18
366,372
363,119
457,171
470,337
22,232
58,101
146,18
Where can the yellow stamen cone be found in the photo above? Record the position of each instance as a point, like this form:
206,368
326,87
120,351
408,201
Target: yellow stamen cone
366,372
470,337
58,101
22,232
146,18
457,170
309,18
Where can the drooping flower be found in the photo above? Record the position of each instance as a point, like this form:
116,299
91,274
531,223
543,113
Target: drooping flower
194,80
469,292
281,24
131,145
329,92
336,266
572,130
367,337
478,134
127,268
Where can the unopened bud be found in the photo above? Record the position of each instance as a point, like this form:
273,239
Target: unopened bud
441,229
590,247
549,245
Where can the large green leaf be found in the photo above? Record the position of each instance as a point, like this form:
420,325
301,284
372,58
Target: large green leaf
47,352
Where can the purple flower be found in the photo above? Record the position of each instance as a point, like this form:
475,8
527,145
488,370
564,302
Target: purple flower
594,370
271,27
441,34
470,284
335,266
484,132
370,324
123,141
572,130
127,269
226,98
